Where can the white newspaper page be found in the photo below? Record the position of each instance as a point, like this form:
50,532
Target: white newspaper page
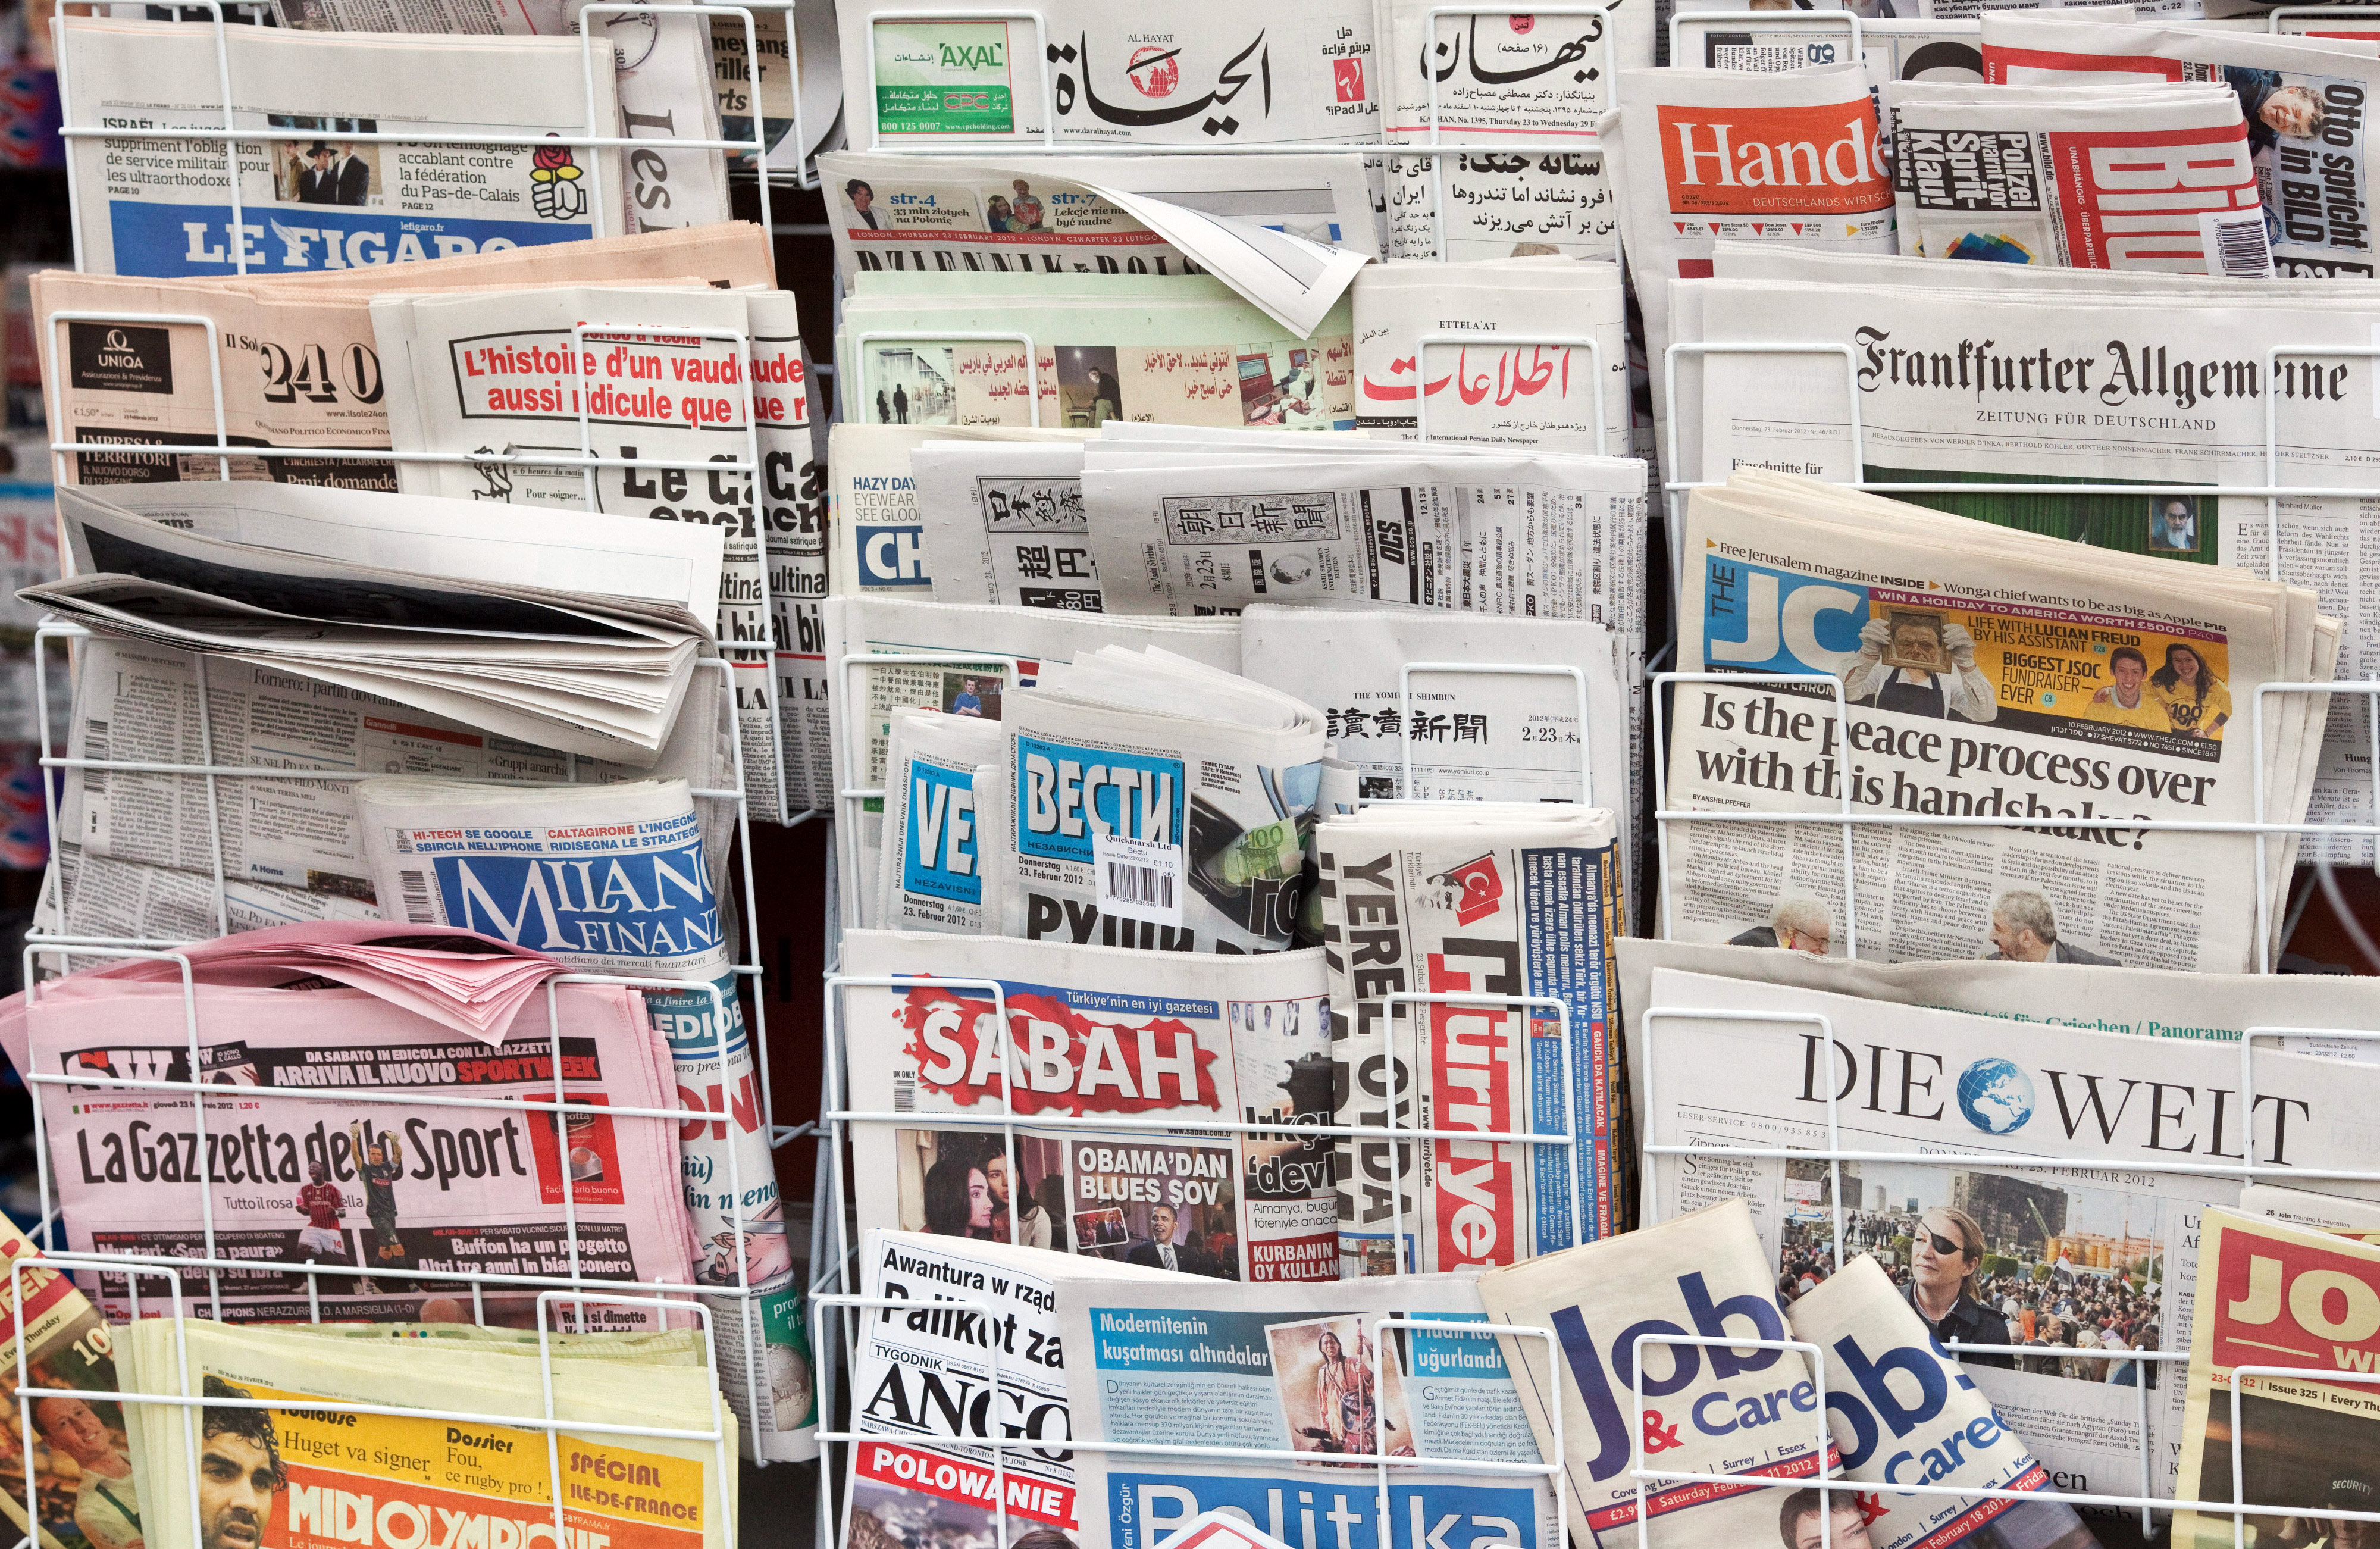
1096,1033
878,531
946,805
1894,48
1005,523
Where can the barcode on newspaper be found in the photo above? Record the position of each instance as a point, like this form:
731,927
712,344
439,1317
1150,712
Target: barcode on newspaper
905,1093
1144,885
94,746
1138,880
2237,244
416,887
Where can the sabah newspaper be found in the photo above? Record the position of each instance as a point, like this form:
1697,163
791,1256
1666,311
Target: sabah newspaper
1096,1032
2035,1137
1331,1373
307,197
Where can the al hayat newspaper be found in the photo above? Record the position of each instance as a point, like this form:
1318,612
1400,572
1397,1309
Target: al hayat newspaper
1094,1031
2035,1128
310,199
1316,1370
915,1373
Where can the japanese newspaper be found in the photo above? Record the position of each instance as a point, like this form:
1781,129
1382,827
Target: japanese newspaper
1006,523
879,532
1332,1374
1096,1033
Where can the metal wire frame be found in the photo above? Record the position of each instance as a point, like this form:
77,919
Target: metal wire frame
2246,1170
573,1286
189,1404
999,1448
762,652
593,139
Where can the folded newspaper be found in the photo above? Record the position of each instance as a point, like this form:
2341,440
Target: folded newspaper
307,197
1094,1033
946,804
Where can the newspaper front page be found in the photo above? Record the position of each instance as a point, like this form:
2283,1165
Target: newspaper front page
879,532
2303,100
946,803
791,504
1524,91
1705,1274
1310,1370
310,199
427,1188
1098,1032
917,1373
1433,901
1929,47
2036,1127
1007,524
83,1481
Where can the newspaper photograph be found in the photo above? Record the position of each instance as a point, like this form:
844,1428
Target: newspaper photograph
368,1186
1096,1033
2303,99
1704,1272
2031,1230
1427,899
1320,1372
915,1374
308,199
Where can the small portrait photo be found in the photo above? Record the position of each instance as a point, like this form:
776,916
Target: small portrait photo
324,170
969,693
2173,524
1322,1371
1090,393
1916,640
1095,1229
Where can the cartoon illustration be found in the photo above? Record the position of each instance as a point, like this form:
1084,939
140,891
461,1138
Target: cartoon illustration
555,192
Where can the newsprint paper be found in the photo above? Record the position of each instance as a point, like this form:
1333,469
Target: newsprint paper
1291,1370
2032,1134
1096,1032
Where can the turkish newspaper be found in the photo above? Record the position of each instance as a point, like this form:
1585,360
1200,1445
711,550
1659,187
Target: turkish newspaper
2035,1135
1181,829
307,197
2076,177
1181,350
982,1319
973,657
1397,1369
1096,1032
426,1188
2303,99
1704,1273
85,1494
309,1475
1934,1427
300,367
1521,93
946,801
1502,924
1287,232
2007,682
2126,400
2275,1295
978,76
1508,367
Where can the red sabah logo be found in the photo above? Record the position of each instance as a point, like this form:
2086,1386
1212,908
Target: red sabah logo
1156,71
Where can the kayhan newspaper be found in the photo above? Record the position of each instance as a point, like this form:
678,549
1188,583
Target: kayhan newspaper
1093,1032
1289,1369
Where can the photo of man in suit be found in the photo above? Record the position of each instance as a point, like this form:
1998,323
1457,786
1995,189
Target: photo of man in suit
353,175
1189,1256
318,184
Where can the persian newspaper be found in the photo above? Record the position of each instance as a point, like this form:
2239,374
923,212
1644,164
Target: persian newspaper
1096,1032
2038,1126
1332,1374
307,197
1505,922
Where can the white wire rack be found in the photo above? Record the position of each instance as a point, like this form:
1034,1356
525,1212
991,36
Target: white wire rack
2271,491
2173,1363
833,1253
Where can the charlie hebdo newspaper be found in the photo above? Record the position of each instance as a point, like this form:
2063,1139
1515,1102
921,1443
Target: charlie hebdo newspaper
2040,1130
1096,1032
2303,99
417,1188
309,199
1704,1274
301,366
83,1486
973,657
1473,901
1990,689
976,76
305,1472
1292,1369
922,1384
2272,1294
1522,93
